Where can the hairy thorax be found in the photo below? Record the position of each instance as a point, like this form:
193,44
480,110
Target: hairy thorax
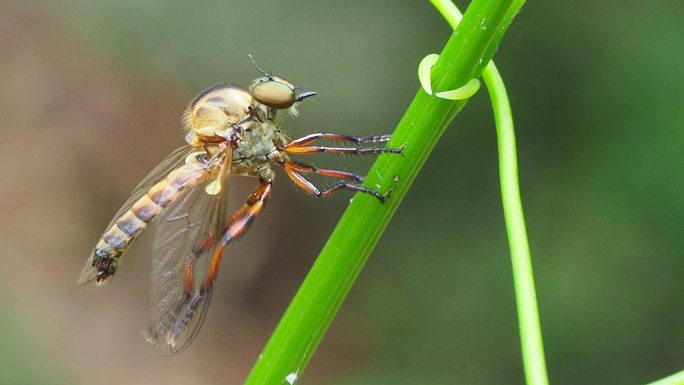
257,147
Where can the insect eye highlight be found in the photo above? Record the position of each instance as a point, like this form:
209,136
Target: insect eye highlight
273,92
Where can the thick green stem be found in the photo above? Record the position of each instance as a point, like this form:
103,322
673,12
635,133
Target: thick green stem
336,268
675,379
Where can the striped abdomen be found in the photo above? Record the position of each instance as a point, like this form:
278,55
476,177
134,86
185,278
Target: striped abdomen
124,229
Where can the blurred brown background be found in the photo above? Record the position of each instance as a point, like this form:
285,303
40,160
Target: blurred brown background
90,100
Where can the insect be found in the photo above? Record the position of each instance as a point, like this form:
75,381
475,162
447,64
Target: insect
230,130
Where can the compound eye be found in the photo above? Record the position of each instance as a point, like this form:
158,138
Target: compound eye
274,93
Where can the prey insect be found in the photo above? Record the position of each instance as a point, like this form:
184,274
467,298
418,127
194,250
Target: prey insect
230,130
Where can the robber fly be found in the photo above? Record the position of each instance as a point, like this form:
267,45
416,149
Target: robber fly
230,130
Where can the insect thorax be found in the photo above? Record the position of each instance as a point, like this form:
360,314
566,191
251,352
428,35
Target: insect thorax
229,112
257,147
214,113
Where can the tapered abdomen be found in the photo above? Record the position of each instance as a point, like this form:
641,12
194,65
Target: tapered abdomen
130,223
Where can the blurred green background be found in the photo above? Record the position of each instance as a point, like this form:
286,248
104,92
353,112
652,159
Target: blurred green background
90,100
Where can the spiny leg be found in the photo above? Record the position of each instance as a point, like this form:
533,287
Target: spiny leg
294,171
303,145
237,225
306,169
352,187
308,139
341,150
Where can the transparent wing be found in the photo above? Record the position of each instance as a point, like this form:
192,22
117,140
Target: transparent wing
170,163
161,171
184,244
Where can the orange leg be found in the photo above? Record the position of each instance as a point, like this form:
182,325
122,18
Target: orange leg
237,225
305,168
294,171
303,145
340,150
338,138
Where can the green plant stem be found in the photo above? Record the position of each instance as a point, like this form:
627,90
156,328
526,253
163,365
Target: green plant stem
675,379
526,299
321,294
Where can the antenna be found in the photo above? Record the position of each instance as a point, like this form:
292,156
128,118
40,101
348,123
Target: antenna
259,68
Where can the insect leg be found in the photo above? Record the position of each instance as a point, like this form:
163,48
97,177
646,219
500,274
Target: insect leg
294,171
340,150
237,224
303,141
352,187
306,169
